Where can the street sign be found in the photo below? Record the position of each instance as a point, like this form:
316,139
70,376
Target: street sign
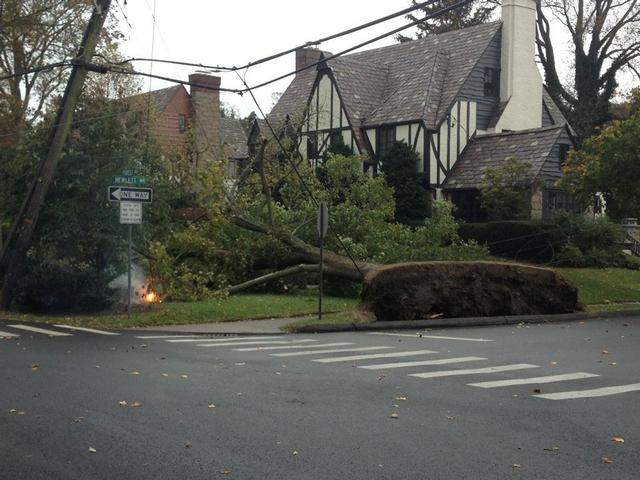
130,194
129,179
131,213
323,219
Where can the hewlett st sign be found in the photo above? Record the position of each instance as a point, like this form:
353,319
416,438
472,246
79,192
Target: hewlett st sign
130,194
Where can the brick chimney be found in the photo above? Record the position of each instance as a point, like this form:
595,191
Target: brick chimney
307,56
205,116
520,80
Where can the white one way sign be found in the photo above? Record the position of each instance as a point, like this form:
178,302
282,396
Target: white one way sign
130,194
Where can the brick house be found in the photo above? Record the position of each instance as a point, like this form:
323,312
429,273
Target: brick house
192,120
464,100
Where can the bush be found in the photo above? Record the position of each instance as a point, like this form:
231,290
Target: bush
564,240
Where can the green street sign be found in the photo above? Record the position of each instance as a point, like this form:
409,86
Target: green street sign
129,180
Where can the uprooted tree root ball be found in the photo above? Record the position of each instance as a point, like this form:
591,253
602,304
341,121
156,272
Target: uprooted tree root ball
420,290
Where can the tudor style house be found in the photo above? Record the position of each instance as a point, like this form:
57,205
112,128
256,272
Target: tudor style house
464,100
192,120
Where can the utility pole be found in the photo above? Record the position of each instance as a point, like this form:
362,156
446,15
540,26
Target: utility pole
21,233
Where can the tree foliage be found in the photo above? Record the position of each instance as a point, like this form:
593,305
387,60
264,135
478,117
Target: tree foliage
411,197
609,164
506,190
605,41
473,13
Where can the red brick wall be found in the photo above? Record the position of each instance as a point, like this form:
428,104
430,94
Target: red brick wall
166,128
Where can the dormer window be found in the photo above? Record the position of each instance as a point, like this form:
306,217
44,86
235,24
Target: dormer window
491,82
182,123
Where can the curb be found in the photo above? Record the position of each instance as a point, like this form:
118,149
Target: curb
467,322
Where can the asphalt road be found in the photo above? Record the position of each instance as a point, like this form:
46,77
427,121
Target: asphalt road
205,412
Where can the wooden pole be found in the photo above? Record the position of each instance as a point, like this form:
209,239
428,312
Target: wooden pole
21,233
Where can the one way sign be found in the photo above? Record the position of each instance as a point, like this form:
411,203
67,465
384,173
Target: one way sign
130,194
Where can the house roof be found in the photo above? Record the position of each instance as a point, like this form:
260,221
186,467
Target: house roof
159,98
233,137
489,151
398,83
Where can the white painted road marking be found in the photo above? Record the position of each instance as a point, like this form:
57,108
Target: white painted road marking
83,329
473,371
51,333
432,336
286,347
230,339
596,392
155,337
374,355
534,380
8,335
333,350
269,342
442,361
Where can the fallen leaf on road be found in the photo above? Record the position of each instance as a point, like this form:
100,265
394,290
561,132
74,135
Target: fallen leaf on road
394,415
552,449
13,410
450,417
78,419
35,367
123,403
211,405
135,404
606,460
618,439
516,465
554,363
184,376
240,363
92,450
20,412
605,352
134,373
381,376
401,398
295,452
225,472
187,445
165,374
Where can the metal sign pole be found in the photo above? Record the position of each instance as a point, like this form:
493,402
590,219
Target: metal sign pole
321,271
323,226
129,275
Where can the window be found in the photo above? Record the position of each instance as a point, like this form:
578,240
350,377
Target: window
312,146
182,122
491,82
564,150
386,137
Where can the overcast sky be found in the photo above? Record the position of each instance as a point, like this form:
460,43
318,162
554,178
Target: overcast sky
226,32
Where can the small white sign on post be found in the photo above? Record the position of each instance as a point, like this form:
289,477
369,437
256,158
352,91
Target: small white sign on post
131,213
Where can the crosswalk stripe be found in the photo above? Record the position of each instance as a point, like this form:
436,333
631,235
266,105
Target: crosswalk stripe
534,380
374,355
84,329
8,335
596,392
51,333
287,347
233,344
161,337
473,371
332,350
431,336
221,340
442,361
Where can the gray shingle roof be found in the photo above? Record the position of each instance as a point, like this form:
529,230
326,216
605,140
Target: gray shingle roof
556,115
159,98
489,151
234,138
409,81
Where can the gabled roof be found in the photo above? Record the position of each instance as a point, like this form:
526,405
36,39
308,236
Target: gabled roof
416,80
234,138
159,98
489,151
556,115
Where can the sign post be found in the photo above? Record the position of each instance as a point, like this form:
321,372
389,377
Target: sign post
130,200
323,227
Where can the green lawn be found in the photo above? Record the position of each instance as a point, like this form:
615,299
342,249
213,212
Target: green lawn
604,285
236,307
